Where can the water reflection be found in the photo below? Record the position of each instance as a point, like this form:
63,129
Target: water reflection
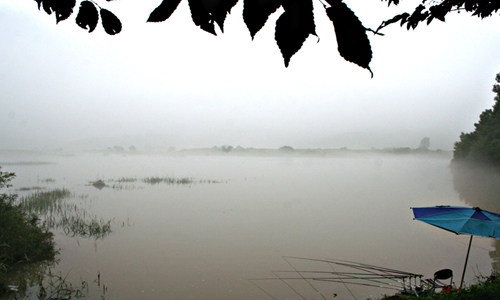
39,280
479,186
24,277
203,241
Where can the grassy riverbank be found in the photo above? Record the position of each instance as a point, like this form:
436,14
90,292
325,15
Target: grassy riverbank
486,288
27,248
22,239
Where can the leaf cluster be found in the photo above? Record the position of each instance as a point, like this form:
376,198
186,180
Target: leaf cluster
87,17
293,27
429,10
483,144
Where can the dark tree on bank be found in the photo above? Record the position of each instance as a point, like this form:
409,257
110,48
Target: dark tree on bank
425,143
286,149
483,144
293,27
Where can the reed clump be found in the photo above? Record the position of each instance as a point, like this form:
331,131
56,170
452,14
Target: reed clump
173,180
56,212
126,179
33,188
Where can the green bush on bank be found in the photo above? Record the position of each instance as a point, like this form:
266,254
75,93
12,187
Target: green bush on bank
483,144
21,238
487,288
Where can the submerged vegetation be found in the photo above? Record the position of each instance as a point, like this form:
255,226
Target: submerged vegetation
26,237
128,183
167,180
55,213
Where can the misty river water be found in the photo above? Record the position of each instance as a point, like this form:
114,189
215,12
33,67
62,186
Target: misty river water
206,240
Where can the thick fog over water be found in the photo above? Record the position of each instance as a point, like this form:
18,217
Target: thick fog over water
200,223
240,215
172,84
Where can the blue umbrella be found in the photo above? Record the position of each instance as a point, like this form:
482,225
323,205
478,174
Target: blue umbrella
461,220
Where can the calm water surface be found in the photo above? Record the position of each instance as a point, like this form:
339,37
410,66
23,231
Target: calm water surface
205,240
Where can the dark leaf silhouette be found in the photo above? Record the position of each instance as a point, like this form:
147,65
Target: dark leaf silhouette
294,26
352,41
163,11
416,17
396,2
256,12
62,9
221,10
110,22
47,6
201,16
39,3
87,17
439,9
207,12
402,17
439,12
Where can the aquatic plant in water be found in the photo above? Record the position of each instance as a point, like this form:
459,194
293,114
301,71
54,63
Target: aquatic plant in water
33,188
56,212
173,180
128,183
47,180
38,281
127,179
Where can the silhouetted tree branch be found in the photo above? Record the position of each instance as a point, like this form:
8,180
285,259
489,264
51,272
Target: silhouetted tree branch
438,9
293,27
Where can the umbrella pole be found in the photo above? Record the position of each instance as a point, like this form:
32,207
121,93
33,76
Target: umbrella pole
466,259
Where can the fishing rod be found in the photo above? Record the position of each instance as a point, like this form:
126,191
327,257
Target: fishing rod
391,274
362,275
353,264
337,280
349,274
317,291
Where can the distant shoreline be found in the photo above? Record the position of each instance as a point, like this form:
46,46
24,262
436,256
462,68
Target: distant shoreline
285,151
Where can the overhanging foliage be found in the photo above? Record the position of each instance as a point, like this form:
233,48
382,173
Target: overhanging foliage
293,27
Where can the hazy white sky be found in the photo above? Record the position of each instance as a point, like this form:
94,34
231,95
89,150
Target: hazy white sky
59,83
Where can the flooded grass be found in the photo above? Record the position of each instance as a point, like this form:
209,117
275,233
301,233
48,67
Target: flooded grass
131,183
174,181
167,180
47,180
126,179
33,188
55,211
26,163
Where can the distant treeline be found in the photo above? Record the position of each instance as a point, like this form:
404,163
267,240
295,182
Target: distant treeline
290,151
483,144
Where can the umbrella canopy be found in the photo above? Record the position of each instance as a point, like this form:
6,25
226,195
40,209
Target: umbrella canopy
461,220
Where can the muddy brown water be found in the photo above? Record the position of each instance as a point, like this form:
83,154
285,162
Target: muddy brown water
206,240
